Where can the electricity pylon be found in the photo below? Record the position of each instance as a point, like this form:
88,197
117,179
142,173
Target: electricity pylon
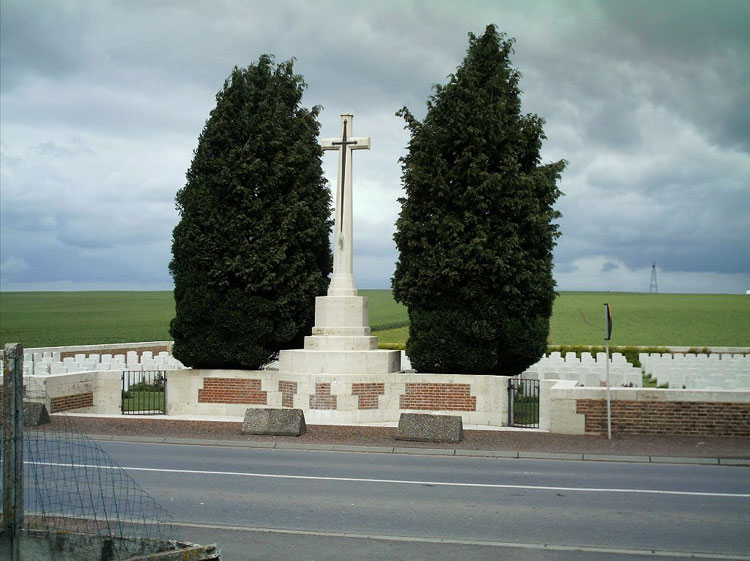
654,289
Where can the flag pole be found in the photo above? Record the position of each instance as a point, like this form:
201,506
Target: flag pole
607,334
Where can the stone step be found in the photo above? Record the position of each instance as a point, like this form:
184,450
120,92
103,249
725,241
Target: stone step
340,343
304,361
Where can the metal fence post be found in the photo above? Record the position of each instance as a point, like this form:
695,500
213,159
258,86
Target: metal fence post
13,444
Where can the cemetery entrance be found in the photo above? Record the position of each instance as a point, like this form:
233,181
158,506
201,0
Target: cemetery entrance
523,403
144,392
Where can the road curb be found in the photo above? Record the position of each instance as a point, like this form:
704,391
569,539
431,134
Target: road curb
549,456
613,458
681,460
425,451
366,449
500,454
487,453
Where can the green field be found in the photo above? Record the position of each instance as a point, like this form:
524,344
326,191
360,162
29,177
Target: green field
385,312
39,319
45,319
693,320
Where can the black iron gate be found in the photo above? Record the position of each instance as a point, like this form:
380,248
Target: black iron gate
144,392
523,403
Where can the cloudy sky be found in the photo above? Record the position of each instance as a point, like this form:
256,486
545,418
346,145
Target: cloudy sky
101,105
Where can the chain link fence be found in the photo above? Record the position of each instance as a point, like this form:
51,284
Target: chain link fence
64,497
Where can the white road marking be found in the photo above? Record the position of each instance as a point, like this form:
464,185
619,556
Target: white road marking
407,481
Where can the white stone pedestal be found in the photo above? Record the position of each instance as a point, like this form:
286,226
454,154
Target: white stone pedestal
340,343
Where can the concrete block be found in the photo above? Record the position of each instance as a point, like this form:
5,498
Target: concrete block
276,422
342,312
346,402
274,399
35,414
422,427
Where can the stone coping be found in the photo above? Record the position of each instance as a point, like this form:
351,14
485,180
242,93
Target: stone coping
100,347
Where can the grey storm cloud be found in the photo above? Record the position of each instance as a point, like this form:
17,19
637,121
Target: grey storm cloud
649,102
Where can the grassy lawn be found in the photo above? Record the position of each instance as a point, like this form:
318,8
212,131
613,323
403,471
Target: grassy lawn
394,336
143,401
526,410
39,319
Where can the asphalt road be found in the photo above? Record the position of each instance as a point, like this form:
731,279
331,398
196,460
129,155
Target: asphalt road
294,504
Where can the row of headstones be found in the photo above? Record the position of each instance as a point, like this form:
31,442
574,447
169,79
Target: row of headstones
51,362
699,372
588,370
586,358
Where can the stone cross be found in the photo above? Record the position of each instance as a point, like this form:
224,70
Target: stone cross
342,281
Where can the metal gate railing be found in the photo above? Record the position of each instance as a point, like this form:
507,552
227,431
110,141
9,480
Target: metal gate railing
523,403
144,392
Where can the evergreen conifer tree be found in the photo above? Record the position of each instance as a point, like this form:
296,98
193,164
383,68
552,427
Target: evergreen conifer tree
476,229
251,251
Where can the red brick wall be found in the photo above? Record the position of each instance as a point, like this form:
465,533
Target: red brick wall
288,390
667,417
443,397
69,402
323,398
232,390
368,394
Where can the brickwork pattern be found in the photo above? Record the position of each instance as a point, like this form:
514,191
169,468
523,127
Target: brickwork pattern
288,391
438,397
368,393
232,390
70,402
666,417
323,398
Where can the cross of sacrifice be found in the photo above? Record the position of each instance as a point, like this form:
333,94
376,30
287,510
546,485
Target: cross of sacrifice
342,282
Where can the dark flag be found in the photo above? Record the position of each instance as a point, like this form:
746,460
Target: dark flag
607,322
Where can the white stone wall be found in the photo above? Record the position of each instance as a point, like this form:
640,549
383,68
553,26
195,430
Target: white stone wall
105,386
480,400
559,401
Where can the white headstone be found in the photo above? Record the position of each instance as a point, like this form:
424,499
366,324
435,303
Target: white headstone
57,368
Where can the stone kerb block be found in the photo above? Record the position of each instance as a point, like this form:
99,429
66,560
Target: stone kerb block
34,414
421,427
275,422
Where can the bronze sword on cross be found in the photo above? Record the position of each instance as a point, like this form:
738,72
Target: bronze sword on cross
343,143
342,257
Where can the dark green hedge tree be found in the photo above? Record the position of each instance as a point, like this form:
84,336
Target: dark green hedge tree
251,251
476,229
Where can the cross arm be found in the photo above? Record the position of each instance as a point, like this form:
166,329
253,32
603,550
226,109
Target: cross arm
328,144
355,143
362,143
